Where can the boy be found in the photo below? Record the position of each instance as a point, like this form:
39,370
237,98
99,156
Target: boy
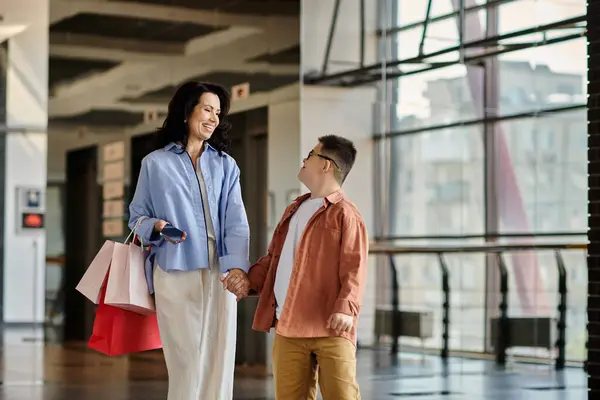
312,280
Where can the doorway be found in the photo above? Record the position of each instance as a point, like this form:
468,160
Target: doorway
249,147
83,237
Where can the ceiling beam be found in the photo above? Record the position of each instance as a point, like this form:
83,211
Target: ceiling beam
83,52
140,107
277,96
101,43
263,67
62,9
214,52
139,68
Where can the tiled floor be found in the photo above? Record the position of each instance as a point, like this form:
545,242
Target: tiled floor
32,371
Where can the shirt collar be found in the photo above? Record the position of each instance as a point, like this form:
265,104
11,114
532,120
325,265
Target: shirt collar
336,196
332,198
174,145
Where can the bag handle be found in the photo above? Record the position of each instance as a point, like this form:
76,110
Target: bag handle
134,231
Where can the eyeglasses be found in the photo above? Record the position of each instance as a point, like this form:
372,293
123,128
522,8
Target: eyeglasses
314,153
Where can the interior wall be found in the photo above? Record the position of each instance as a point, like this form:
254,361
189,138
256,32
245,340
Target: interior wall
25,157
284,158
283,164
24,252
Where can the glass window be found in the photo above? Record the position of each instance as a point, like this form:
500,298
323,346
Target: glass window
441,32
517,15
545,161
438,179
467,298
437,156
544,77
440,97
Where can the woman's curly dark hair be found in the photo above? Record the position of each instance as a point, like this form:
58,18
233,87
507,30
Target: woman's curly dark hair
182,104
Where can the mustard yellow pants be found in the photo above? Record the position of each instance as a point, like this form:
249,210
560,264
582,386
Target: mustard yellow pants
300,363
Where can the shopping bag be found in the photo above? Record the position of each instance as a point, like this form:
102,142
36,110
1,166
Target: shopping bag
126,286
117,331
95,276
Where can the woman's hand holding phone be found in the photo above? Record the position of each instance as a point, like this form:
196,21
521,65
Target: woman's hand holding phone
170,234
159,225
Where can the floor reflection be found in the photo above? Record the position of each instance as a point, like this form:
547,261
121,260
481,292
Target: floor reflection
36,370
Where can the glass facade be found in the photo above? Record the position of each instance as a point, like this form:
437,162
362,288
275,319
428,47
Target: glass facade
485,141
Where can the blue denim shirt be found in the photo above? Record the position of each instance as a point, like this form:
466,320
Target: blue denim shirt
168,189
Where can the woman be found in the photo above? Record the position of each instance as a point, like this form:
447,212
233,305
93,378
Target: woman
191,183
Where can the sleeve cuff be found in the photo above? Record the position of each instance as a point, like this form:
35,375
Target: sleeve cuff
232,261
347,307
254,288
146,232
255,283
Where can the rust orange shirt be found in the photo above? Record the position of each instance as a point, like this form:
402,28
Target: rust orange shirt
328,275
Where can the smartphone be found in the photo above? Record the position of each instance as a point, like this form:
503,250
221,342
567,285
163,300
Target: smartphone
171,234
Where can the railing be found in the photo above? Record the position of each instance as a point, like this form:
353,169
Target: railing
509,332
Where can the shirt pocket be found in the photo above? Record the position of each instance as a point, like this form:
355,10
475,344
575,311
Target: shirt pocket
323,224
322,261
325,243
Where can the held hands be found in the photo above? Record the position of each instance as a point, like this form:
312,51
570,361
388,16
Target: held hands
340,322
237,282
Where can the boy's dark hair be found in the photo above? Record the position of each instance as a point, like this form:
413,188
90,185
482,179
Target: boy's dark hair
341,150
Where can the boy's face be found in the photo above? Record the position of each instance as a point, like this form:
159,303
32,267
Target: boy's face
315,167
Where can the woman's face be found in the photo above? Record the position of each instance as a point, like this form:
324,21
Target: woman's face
204,119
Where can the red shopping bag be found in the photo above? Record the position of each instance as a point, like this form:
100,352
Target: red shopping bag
117,331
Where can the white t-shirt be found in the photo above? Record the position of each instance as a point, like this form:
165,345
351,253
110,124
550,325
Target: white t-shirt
286,261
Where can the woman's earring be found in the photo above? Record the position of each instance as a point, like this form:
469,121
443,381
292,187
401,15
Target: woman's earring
185,121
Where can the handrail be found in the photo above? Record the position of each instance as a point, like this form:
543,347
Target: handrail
55,260
503,339
505,235
389,249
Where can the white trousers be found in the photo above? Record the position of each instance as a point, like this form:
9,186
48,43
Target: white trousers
197,320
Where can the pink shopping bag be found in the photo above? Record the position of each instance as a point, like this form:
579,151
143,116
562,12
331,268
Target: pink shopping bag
126,286
91,283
